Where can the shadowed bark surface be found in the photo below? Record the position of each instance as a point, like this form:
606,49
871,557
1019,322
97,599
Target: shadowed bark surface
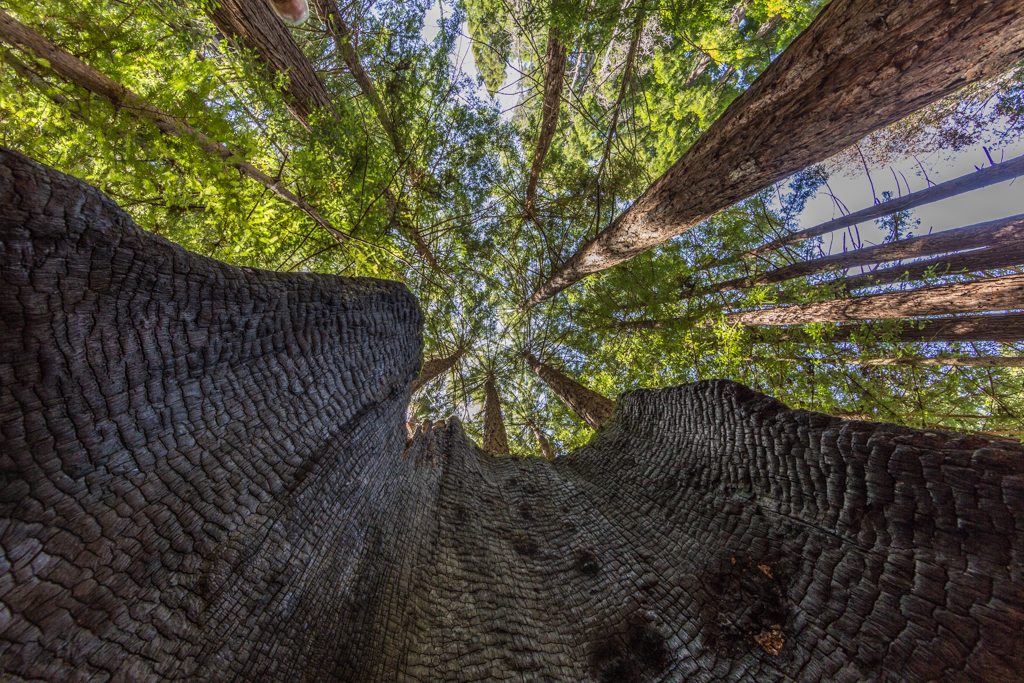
205,477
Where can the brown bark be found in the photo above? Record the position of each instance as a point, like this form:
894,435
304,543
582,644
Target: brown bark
78,72
702,63
627,77
542,439
998,173
989,258
1006,232
204,476
435,367
957,361
594,408
992,294
860,66
1002,327
495,437
554,79
258,28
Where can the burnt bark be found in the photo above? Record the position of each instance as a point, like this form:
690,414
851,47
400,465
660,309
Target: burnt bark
1008,233
204,476
858,67
554,79
1002,327
495,437
435,367
991,294
594,408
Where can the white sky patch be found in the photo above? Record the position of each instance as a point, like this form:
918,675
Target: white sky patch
985,204
462,58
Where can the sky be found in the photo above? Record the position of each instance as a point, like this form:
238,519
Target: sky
854,190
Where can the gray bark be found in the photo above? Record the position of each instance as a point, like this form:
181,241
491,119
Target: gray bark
858,67
204,476
594,408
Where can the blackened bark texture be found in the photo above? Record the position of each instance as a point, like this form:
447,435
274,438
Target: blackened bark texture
205,477
495,437
1002,327
435,367
258,29
861,65
1006,232
554,79
594,408
992,294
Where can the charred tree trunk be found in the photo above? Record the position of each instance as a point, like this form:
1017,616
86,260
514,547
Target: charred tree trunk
858,67
495,437
1008,233
435,367
1003,327
594,408
993,294
204,476
554,78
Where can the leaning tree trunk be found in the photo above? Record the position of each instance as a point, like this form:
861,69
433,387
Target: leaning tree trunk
204,476
435,367
594,408
992,294
861,65
554,79
1002,327
495,437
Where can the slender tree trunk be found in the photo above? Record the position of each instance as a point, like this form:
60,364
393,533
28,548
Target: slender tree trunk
739,12
495,437
1002,327
957,361
627,77
435,367
998,173
1008,233
861,65
78,72
992,294
259,29
554,78
989,258
181,503
545,445
594,408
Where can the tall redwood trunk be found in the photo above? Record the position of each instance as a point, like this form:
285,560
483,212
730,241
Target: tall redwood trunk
861,65
554,78
594,408
1002,327
435,367
495,437
204,476
1008,233
993,294
542,440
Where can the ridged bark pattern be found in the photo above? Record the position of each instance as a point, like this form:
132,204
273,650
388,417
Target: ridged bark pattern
206,477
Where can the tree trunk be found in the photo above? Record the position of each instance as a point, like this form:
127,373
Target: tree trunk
204,475
1006,232
958,361
990,258
594,408
861,65
1003,327
78,72
495,438
993,294
554,78
436,367
545,445
254,23
997,173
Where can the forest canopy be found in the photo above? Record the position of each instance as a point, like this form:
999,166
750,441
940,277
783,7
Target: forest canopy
356,144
